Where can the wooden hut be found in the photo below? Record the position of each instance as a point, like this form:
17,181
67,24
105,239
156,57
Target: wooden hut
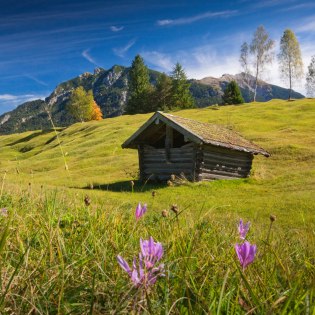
169,144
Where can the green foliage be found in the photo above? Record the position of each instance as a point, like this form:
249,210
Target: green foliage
310,78
140,89
232,94
261,50
81,104
290,59
163,93
181,96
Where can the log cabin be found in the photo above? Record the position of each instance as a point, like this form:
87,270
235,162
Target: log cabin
171,145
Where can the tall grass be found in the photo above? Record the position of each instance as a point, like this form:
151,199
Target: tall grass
58,256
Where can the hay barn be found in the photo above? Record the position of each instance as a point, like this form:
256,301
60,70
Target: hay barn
169,144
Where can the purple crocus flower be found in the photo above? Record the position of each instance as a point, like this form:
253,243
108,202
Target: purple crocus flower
141,276
146,273
140,211
243,229
151,251
245,253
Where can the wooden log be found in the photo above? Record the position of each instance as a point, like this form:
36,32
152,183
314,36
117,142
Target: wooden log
210,148
206,177
224,173
213,164
227,157
168,165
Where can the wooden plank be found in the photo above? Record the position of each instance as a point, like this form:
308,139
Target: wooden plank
213,176
220,172
226,157
214,163
168,165
212,148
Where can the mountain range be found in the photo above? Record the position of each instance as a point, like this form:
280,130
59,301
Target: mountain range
110,90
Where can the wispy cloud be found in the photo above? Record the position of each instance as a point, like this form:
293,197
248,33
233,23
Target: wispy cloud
10,101
88,57
307,25
195,18
35,79
114,28
300,6
161,61
121,52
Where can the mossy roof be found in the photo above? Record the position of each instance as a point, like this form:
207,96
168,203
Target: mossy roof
199,132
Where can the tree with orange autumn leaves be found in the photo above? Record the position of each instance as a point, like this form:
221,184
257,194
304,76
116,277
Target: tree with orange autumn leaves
82,105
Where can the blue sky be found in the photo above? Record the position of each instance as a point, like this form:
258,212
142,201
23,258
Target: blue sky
43,43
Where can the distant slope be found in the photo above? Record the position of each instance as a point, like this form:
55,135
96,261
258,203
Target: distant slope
213,88
94,155
110,90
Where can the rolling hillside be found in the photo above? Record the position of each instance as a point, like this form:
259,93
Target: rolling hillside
93,153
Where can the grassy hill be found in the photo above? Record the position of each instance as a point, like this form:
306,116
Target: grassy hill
67,162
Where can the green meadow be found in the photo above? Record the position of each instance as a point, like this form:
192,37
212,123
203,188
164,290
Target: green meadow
58,254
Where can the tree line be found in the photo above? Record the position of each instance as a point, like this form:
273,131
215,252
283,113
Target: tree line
172,92
254,58
169,93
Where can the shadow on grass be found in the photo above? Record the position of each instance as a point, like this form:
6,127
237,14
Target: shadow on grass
125,186
33,135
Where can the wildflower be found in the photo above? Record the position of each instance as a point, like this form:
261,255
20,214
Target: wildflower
141,276
243,229
4,212
245,253
164,213
132,183
140,211
151,252
87,200
272,218
174,208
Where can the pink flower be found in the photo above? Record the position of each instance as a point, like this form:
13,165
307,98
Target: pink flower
243,229
140,211
4,212
151,251
146,273
245,253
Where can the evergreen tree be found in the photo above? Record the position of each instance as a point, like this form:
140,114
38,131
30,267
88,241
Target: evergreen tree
232,94
310,79
290,60
80,104
163,93
261,49
181,96
139,88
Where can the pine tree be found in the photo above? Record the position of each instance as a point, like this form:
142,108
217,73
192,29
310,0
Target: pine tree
80,104
261,48
181,96
163,93
232,94
290,59
139,88
310,79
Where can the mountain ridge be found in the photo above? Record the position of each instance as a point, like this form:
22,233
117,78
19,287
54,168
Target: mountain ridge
110,90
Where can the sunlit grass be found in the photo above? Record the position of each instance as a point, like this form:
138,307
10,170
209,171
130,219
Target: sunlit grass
58,256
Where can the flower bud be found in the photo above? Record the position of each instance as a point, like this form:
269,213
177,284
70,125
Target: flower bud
87,200
164,213
174,208
272,218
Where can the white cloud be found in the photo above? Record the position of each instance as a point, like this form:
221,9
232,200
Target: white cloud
307,27
36,79
161,61
114,28
120,52
88,57
195,18
14,100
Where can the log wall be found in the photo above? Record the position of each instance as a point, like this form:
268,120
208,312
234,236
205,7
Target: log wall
159,164
221,163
